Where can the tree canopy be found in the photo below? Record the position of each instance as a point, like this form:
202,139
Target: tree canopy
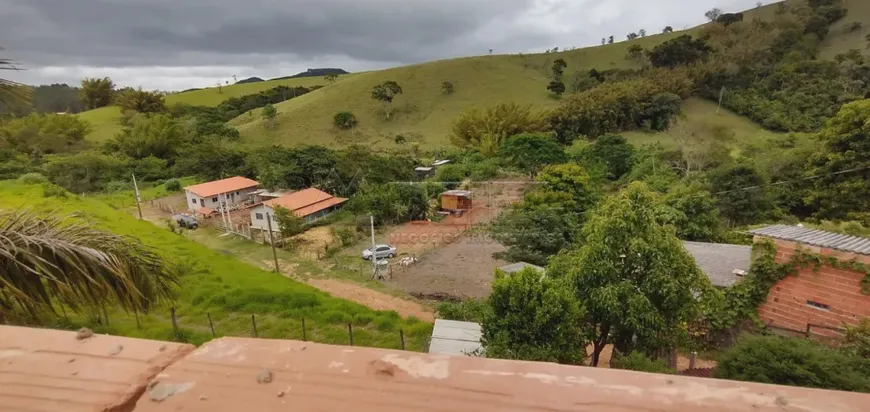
529,152
385,93
96,93
486,130
679,51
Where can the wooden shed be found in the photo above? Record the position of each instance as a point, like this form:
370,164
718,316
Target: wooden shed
456,200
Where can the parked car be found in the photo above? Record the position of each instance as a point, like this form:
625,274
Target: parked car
381,251
186,221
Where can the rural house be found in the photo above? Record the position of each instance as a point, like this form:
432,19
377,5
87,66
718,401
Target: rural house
817,299
206,198
309,204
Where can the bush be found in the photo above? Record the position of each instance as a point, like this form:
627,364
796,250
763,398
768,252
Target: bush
794,362
469,310
385,322
486,130
335,316
362,319
344,120
32,178
50,190
636,361
172,185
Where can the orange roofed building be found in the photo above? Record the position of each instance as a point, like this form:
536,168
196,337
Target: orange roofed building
309,204
207,197
51,370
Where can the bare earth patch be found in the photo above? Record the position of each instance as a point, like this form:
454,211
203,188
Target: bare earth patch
372,298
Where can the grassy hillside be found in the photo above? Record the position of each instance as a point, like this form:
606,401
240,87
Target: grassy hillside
105,120
229,290
842,37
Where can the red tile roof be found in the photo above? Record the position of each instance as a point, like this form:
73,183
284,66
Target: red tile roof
242,374
52,370
306,202
222,186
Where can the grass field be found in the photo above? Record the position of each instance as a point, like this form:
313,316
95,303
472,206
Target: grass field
227,289
105,121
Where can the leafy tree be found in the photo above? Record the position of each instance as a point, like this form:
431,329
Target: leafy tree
172,185
394,203
571,179
296,168
741,192
529,152
635,52
794,362
269,115
556,87
141,101
668,29
97,93
636,280
213,162
559,68
713,14
533,233
728,19
344,120
85,171
385,93
156,135
818,25
856,340
631,36
614,152
641,32
288,223
447,87
610,40
61,260
661,111
679,51
581,81
693,212
535,318
55,98
847,148
331,78
486,130
38,134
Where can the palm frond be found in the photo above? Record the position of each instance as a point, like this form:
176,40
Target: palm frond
13,94
48,260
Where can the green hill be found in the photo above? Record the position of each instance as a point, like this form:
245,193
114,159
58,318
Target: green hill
105,121
227,289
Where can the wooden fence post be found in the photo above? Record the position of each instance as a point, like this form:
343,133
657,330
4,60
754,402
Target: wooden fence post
210,324
254,325
304,336
174,321
402,338
350,333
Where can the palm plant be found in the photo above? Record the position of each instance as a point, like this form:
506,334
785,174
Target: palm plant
12,94
50,260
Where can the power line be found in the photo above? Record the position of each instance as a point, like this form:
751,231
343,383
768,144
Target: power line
784,182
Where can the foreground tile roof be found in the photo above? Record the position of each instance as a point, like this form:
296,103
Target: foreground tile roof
815,237
52,370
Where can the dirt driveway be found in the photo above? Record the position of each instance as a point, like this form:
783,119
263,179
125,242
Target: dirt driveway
461,269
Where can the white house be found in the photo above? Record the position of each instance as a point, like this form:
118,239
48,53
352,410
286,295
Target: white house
206,198
309,204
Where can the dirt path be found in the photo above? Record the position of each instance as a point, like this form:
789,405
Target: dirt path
372,298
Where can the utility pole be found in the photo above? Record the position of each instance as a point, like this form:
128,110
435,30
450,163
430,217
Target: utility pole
721,95
136,189
272,241
229,216
374,256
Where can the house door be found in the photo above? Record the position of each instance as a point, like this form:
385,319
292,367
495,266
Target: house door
202,202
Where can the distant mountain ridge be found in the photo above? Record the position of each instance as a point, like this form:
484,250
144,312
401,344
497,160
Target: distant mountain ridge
315,73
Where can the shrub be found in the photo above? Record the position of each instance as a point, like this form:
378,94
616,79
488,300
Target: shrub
857,340
362,319
335,316
32,178
636,361
385,322
50,190
172,185
794,362
469,310
486,130
447,88
344,120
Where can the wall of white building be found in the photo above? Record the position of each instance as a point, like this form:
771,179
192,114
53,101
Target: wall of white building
258,218
195,202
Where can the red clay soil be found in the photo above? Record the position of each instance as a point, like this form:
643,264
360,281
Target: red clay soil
372,298
52,370
242,374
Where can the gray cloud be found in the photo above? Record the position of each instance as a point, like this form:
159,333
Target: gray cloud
59,39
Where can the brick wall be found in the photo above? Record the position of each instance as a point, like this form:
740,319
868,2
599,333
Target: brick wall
827,296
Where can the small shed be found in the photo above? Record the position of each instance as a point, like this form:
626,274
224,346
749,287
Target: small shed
451,337
456,200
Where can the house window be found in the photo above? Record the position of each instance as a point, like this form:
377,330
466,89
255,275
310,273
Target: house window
237,192
258,216
817,305
214,199
193,201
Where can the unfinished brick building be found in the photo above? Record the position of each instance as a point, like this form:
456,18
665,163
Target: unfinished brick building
817,300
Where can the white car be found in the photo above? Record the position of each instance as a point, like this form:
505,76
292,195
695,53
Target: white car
381,251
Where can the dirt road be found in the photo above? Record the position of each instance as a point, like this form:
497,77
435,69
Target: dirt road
372,298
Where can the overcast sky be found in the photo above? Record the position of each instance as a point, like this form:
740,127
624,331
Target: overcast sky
179,44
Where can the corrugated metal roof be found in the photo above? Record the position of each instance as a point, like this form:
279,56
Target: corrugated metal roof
816,237
719,261
516,267
222,186
451,337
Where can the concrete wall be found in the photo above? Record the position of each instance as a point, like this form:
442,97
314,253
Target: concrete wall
261,223
795,301
195,202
